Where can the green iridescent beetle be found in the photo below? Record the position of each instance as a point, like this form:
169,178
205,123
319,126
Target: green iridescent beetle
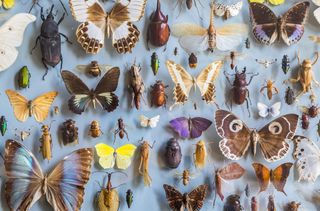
155,63
24,77
3,125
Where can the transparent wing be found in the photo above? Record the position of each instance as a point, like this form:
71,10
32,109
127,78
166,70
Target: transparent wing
184,29
231,36
194,43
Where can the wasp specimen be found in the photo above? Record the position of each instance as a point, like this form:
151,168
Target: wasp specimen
121,130
271,89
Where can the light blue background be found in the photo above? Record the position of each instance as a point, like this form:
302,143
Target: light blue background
153,198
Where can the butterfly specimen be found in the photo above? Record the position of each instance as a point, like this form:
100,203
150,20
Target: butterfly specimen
267,27
266,63
237,137
184,82
24,108
316,12
190,127
11,36
108,156
227,10
273,2
307,156
82,96
63,186
277,176
194,38
192,201
96,23
7,4
265,110
149,122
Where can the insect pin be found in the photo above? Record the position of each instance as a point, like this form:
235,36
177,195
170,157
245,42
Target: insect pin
3,125
95,130
121,130
129,198
24,77
155,63
285,64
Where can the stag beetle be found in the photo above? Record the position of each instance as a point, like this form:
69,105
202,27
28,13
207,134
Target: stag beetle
50,41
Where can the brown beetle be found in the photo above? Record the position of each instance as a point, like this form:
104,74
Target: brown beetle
95,130
69,132
289,97
270,88
293,206
193,61
121,130
312,111
158,95
305,121
136,85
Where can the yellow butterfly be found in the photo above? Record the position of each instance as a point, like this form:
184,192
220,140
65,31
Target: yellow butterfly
108,156
273,2
24,108
7,4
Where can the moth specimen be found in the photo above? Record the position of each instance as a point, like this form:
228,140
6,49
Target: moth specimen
149,122
266,63
237,137
144,162
227,10
26,180
173,155
82,96
316,12
265,110
273,2
136,86
267,27
96,23
271,89
200,155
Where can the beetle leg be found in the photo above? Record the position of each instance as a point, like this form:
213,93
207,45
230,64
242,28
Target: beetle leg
37,40
61,62
276,90
248,97
125,132
61,19
65,36
42,15
47,69
247,101
115,135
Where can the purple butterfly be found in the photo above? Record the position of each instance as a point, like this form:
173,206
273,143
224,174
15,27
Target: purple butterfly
192,127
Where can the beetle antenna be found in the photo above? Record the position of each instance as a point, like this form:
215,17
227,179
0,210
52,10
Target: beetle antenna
64,7
50,13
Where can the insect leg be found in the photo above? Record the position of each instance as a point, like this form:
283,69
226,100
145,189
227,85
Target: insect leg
125,132
67,39
195,4
37,40
61,62
46,66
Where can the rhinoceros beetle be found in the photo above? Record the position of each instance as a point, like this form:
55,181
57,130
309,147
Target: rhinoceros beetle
50,41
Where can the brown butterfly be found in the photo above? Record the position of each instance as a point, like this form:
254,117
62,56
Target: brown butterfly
277,177
237,137
192,201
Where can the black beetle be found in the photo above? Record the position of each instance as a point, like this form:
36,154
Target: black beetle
173,153
50,41
233,203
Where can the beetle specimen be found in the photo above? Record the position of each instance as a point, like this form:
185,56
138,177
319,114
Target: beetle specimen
247,190
254,204
23,134
173,153
289,97
293,206
233,203
270,88
129,197
136,85
46,142
312,111
285,64
305,121
144,162
305,76
193,61
94,69
247,43
175,51
50,41
158,29
200,155
271,205
3,125
158,95
121,130
240,92
24,77
69,132
56,110
95,130
266,63
155,63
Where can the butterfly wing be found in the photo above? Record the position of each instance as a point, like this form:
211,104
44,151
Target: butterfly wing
79,91
154,121
263,175
144,121
276,2
174,198
124,155
231,171
65,183
263,110
230,36
24,176
316,2
40,106
198,125
19,104
106,155
293,21
7,4
316,14
196,198
205,81
235,9
264,23
273,137
307,154
279,176
11,36
275,109
234,133
181,126
220,9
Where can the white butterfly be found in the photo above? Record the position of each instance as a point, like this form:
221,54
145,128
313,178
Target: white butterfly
307,155
264,110
316,12
225,10
149,122
11,36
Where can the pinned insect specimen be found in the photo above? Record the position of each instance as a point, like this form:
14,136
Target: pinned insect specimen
121,130
173,153
175,51
186,176
97,23
144,162
193,60
56,110
94,69
305,121
305,76
22,135
271,206
267,27
266,63
192,201
149,122
293,206
277,177
190,127
247,191
136,85
247,43
155,63
316,12
315,38
7,4
3,125
200,155
11,37
129,198
237,137
158,29
273,2
26,180
158,94
24,77
195,39
289,96
24,108
285,64
95,130
312,111
189,5
227,10
254,204
233,203
69,132
265,111
271,89
109,157
46,142
184,82
233,56
102,95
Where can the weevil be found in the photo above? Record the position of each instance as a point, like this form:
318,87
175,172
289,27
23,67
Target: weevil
155,63
95,130
129,197
271,89
3,125
46,142
121,130
24,77
136,85
50,41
